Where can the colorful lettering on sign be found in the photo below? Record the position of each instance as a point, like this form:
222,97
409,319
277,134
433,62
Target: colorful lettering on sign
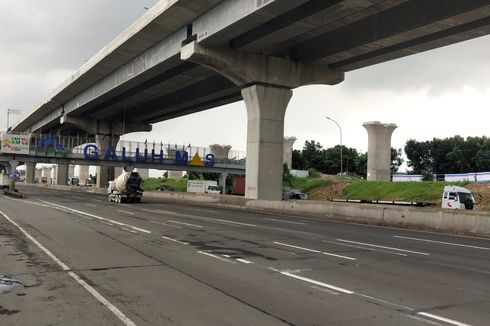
91,152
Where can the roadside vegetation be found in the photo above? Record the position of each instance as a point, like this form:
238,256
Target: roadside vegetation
152,184
429,191
336,187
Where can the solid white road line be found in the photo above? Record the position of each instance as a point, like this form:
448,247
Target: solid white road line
338,256
158,211
107,223
161,223
118,313
244,261
125,212
217,257
188,224
442,242
284,221
315,251
386,303
384,247
173,240
443,319
237,223
424,320
325,285
366,248
95,216
297,247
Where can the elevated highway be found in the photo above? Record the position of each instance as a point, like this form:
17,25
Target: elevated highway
188,56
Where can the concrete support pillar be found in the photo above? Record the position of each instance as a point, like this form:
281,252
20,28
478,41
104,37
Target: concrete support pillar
287,154
272,79
62,174
104,173
379,150
83,173
266,108
30,172
222,181
71,171
13,167
118,171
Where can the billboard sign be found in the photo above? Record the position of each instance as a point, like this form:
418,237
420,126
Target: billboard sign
15,144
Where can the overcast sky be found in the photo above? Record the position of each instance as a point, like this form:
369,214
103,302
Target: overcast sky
439,93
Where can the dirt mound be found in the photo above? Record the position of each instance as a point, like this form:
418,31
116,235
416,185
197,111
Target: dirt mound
481,192
330,191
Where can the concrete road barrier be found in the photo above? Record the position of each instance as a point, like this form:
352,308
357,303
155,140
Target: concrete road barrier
430,219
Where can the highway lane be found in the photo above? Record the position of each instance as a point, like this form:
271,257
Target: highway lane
184,265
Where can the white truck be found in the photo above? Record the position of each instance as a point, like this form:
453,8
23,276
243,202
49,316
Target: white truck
202,186
126,188
455,197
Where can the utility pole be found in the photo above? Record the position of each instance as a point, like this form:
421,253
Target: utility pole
341,159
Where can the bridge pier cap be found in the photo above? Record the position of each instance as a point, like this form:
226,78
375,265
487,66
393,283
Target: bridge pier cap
379,150
266,84
245,69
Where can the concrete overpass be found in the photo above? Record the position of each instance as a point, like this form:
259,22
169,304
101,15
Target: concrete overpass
188,56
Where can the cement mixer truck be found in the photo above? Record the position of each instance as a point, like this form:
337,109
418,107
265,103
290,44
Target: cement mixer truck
126,188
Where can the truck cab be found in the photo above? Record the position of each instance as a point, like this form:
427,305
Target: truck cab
455,197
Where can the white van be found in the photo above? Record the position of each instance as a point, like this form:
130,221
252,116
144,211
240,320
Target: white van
213,189
455,197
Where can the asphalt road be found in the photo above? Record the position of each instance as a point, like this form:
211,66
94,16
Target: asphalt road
85,261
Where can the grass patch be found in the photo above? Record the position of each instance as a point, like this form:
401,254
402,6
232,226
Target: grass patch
152,184
406,191
307,185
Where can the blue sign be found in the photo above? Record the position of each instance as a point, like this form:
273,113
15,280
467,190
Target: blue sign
15,175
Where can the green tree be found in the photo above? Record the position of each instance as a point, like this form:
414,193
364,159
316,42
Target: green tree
418,155
298,162
396,159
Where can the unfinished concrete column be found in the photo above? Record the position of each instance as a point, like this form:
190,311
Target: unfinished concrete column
105,173
266,108
287,154
30,172
62,174
220,152
379,150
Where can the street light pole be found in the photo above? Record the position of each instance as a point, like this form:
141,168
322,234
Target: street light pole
341,159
